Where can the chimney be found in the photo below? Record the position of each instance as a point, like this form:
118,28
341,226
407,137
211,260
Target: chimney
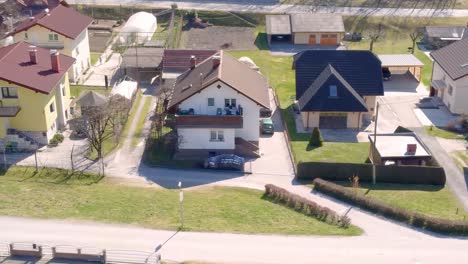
31,18
193,62
55,60
33,54
46,11
411,148
216,61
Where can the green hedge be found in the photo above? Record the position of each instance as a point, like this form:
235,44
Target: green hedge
386,174
437,225
305,206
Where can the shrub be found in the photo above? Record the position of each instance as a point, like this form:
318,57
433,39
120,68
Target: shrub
307,207
316,139
59,137
53,141
437,225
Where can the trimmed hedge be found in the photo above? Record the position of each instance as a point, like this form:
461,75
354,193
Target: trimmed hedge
305,206
387,174
434,224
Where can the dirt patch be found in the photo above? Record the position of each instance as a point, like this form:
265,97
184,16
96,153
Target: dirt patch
228,38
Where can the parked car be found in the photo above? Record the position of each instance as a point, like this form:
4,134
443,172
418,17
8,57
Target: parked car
225,162
386,73
266,126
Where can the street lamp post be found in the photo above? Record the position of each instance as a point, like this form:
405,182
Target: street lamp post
181,200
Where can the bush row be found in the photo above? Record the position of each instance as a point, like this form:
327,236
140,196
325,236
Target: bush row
438,225
387,174
305,206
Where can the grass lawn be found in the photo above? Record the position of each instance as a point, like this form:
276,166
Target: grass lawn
131,116
461,158
331,152
95,57
76,90
442,133
141,121
396,38
220,209
427,199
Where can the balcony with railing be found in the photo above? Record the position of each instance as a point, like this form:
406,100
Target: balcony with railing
228,117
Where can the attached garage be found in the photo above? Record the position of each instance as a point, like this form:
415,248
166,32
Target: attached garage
333,121
329,40
402,63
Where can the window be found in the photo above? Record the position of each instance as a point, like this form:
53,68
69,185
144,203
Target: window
64,92
53,37
77,51
211,102
26,35
216,135
66,114
333,91
52,107
9,92
230,103
450,89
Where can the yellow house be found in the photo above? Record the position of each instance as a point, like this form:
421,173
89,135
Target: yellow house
63,29
34,96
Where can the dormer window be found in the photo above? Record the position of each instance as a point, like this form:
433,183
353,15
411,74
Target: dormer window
333,91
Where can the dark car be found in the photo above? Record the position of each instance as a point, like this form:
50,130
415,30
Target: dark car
225,162
386,73
265,112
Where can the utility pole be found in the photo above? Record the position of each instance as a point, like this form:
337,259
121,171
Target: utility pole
374,148
181,200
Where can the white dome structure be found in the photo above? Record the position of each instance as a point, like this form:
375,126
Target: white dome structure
139,28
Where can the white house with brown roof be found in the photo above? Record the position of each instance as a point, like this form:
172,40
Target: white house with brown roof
217,104
450,76
61,28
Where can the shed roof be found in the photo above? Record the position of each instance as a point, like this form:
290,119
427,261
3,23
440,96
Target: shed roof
308,22
61,19
395,145
447,32
142,57
278,25
400,60
453,59
16,67
91,98
178,60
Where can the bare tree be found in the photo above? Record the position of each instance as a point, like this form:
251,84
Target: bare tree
415,36
375,35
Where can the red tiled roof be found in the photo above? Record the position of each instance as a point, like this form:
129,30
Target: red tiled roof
48,3
15,67
63,20
179,60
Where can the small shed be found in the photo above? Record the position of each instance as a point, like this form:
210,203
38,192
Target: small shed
88,101
139,28
398,149
125,89
406,62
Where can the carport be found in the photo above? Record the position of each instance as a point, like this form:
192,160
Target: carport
278,29
398,62
142,63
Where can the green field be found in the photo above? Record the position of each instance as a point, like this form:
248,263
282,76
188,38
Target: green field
53,193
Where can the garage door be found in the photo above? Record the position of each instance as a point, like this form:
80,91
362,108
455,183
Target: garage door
333,121
328,39
312,40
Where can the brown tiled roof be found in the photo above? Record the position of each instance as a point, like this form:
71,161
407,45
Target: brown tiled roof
231,71
15,67
179,60
63,20
205,121
453,59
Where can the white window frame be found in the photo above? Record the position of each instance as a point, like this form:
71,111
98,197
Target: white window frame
216,135
231,101
9,92
64,92
53,36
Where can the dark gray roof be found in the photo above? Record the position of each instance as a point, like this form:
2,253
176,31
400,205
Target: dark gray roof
445,31
317,97
91,98
308,22
453,59
278,25
142,57
360,68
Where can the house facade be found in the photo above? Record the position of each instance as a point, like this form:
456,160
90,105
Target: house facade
450,76
35,95
217,104
337,89
63,29
306,29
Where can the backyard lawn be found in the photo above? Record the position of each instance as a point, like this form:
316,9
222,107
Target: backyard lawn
428,199
331,152
76,90
95,57
86,197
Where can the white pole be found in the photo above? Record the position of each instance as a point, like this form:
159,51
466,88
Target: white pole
181,200
374,149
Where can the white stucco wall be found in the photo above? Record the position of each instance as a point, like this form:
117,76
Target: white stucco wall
199,138
251,113
456,102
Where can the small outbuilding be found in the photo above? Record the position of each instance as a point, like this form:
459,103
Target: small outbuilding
437,37
402,63
398,149
305,28
89,101
142,63
125,89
